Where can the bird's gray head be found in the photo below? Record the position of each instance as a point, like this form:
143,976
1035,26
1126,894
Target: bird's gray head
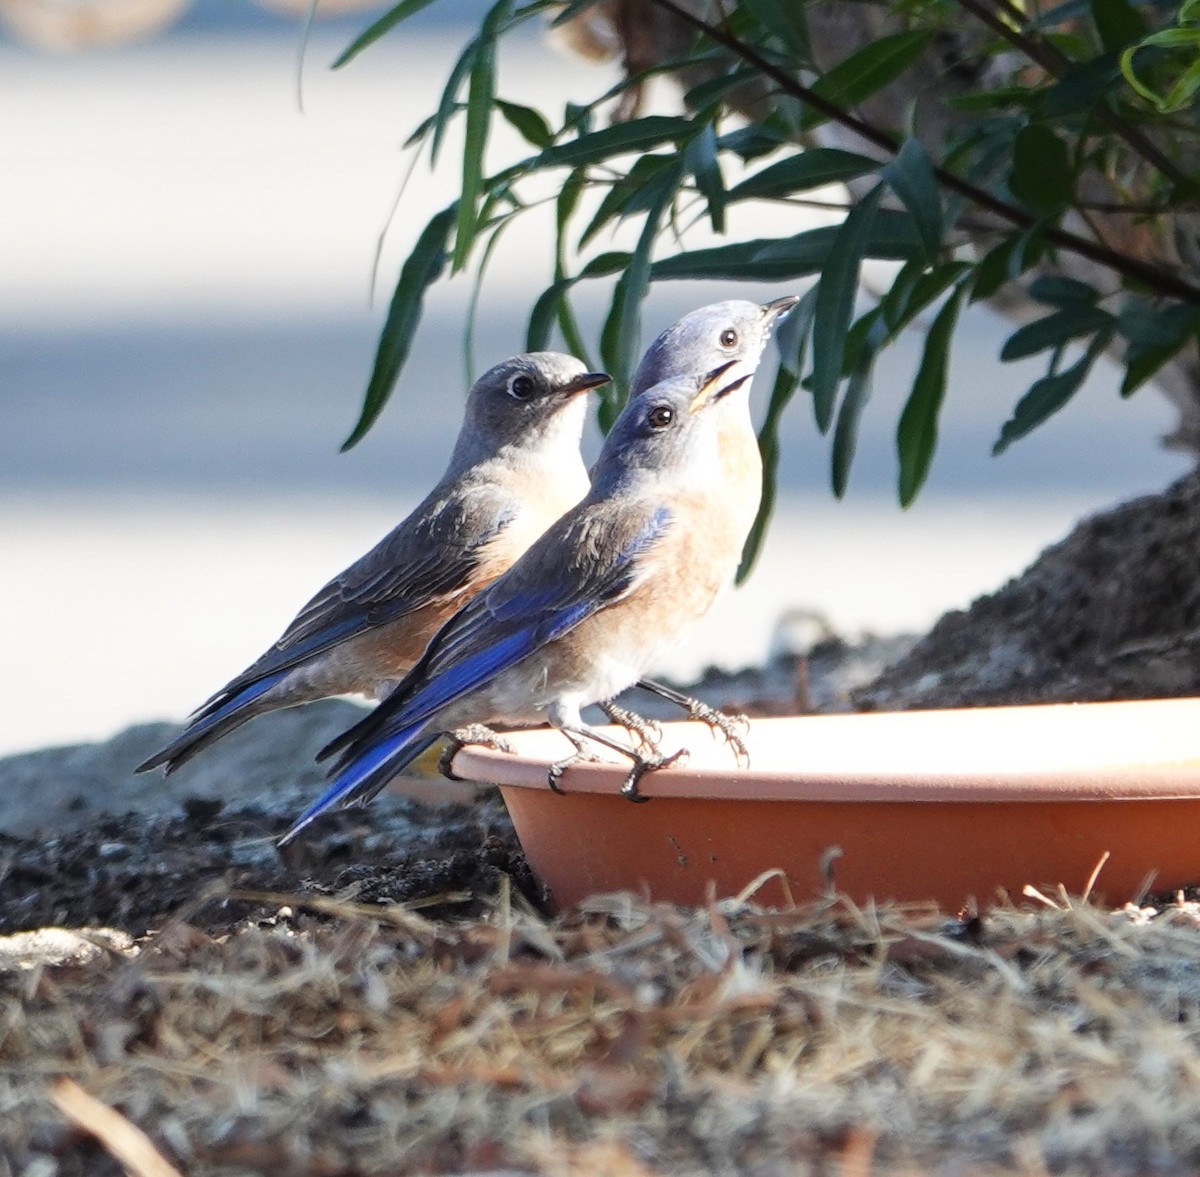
528,402
708,337
671,428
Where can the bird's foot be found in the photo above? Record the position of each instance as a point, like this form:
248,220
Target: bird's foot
474,733
645,731
731,728
643,765
582,753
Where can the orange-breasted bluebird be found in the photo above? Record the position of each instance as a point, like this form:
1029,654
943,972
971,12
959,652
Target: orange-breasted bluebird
515,468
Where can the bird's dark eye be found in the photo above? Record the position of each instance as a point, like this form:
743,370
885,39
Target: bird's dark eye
729,337
661,417
520,388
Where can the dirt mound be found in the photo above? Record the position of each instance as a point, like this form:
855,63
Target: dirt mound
1111,612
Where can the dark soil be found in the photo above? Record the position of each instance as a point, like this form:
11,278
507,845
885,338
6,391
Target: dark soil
133,873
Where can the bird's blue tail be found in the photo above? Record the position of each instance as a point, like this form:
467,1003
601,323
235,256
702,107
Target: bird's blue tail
211,722
364,775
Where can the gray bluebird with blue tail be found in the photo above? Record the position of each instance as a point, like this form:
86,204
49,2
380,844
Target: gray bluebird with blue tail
703,339
515,468
593,603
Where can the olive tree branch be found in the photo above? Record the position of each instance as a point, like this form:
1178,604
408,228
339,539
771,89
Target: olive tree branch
1146,273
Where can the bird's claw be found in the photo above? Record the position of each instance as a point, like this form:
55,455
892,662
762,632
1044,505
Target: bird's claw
646,732
731,728
643,765
475,733
554,774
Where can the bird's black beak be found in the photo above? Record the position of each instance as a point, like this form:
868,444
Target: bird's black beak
585,382
772,312
707,385
732,386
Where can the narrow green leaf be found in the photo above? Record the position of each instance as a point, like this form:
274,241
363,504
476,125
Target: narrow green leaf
803,172
867,71
892,237
1118,23
422,268
527,122
905,301
627,194
448,106
1080,88
564,210
916,436
621,333
768,446
549,304
858,392
836,291
1184,91
1155,335
713,90
749,143
1072,322
1048,395
1001,98
1057,290
700,159
476,292
423,129
784,20
792,335
543,315
604,264
911,177
388,21
1041,176
1006,261
619,139
479,114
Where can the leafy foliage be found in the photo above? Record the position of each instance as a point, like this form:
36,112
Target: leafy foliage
1088,103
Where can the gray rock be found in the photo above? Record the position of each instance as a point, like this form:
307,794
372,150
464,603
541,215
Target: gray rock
268,762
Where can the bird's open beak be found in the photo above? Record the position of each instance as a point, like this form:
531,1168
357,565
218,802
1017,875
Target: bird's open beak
585,382
705,393
772,312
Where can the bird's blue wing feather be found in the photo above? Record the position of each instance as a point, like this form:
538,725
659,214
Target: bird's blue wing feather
506,624
491,634
420,561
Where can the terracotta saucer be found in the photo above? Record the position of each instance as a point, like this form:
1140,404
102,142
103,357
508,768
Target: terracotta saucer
919,805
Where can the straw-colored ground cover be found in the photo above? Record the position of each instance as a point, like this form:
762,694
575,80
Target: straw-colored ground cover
332,1037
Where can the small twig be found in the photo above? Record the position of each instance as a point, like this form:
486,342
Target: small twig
1095,875
1145,273
127,1143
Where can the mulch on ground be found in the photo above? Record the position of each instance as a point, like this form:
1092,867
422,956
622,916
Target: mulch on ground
332,1035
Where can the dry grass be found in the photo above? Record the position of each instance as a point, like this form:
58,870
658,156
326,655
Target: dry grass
623,1038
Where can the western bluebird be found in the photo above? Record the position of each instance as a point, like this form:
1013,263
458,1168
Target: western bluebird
734,332
515,468
594,601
